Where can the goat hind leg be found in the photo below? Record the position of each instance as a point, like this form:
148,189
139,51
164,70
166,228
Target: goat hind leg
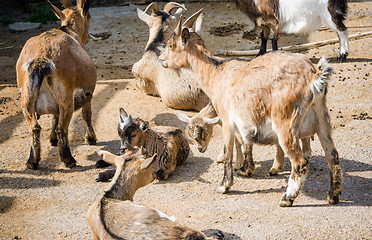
248,166
227,180
35,152
278,161
53,134
62,135
264,35
90,135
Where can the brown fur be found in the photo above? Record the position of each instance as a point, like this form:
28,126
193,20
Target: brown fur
56,76
276,97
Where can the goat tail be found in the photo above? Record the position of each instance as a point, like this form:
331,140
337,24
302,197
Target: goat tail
38,69
319,86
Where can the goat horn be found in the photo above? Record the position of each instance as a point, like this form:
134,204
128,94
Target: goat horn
169,6
191,20
179,27
154,7
66,3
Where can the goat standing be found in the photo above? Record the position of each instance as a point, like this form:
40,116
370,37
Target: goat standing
300,16
277,97
56,76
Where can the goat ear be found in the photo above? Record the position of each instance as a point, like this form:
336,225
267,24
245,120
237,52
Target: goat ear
144,126
198,24
213,121
107,156
182,117
185,36
143,16
57,12
86,7
148,161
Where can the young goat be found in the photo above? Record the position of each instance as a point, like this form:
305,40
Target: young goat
114,216
178,89
200,129
300,16
56,76
278,97
168,143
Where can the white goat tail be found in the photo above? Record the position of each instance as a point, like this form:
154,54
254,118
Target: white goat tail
320,85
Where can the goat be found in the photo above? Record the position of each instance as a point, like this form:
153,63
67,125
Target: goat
56,76
278,97
301,16
178,89
200,129
168,143
114,216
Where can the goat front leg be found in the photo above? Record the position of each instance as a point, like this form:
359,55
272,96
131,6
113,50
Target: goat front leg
53,135
248,166
299,164
278,162
239,158
306,148
264,35
105,176
228,139
62,135
90,135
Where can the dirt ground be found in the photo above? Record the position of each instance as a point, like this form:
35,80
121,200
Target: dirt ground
51,202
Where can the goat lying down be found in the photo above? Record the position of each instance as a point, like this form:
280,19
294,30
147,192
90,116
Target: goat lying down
56,76
300,16
178,89
169,143
114,215
200,129
277,97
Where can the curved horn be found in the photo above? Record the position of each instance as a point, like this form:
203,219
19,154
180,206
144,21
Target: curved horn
66,3
191,20
169,6
178,30
154,7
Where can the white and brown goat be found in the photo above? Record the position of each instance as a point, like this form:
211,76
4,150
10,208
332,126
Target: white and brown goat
114,216
169,143
179,88
56,76
200,129
300,16
278,97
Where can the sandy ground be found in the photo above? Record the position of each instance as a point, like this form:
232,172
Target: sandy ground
51,202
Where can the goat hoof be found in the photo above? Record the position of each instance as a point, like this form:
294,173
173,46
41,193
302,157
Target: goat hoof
244,173
101,178
102,164
285,202
222,189
70,164
53,142
32,165
333,199
273,172
91,140
342,57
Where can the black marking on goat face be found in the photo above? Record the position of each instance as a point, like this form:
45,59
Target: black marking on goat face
159,39
126,134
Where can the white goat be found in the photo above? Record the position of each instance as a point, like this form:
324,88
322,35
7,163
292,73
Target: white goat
114,216
200,129
56,76
300,16
178,89
277,97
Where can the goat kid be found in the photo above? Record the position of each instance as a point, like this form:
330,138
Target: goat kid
56,76
114,216
178,89
293,17
168,143
277,97
200,129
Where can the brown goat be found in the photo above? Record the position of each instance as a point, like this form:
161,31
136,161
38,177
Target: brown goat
277,97
114,216
56,76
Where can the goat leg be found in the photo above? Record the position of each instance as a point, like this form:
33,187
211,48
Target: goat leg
53,135
87,116
64,149
34,158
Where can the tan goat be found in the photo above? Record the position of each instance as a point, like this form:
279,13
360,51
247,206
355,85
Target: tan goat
277,97
200,129
56,76
178,89
114,216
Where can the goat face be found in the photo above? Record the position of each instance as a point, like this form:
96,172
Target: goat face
77,18
174,55
131,132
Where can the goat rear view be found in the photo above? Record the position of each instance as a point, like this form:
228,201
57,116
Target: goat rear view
56,76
